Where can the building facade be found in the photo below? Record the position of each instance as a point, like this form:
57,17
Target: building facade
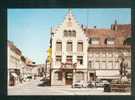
14,64
80,53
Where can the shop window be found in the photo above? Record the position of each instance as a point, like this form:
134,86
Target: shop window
79,76
58,75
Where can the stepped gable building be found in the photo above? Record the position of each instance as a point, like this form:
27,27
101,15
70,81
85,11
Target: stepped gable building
80,53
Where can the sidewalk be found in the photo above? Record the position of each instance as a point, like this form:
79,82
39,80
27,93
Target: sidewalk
25,83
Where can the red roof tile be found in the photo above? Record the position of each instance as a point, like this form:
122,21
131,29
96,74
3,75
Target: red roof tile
122,33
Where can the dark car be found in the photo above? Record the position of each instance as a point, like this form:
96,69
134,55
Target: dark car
45,83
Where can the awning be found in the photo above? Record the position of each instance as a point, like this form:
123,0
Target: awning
111,77
14,74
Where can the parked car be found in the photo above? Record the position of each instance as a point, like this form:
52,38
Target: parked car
45,83
97,83
101,83
79,84
43,79
91,84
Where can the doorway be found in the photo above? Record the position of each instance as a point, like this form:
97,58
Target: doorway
92,76
68,77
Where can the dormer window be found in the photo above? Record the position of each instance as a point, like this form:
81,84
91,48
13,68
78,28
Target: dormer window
94,40
110,41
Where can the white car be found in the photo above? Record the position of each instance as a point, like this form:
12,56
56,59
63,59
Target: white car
79,84
101,83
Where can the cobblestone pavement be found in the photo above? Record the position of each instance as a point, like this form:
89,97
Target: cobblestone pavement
31,88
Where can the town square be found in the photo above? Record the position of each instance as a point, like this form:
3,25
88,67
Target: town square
87,52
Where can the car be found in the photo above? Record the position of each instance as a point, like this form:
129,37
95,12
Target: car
101,83
79,84
91,84
43,79
105,82
45,83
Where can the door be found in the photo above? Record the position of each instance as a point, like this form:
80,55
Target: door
68,78
92,76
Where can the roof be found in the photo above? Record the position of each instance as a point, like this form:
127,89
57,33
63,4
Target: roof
122,33
14,48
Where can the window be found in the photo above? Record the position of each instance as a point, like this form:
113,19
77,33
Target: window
80,60
109,54
96,53
58,59
58,46
80,46
109,65
74,33
103,65
89,65
96,65
58,75
69,33
69,46
109,41
79,76
94,40
69,59
116,65
65,33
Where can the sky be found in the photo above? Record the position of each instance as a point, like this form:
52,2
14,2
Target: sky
29,29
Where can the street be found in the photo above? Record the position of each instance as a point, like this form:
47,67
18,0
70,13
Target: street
32,88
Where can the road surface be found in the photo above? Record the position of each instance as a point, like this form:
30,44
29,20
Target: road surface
32,88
